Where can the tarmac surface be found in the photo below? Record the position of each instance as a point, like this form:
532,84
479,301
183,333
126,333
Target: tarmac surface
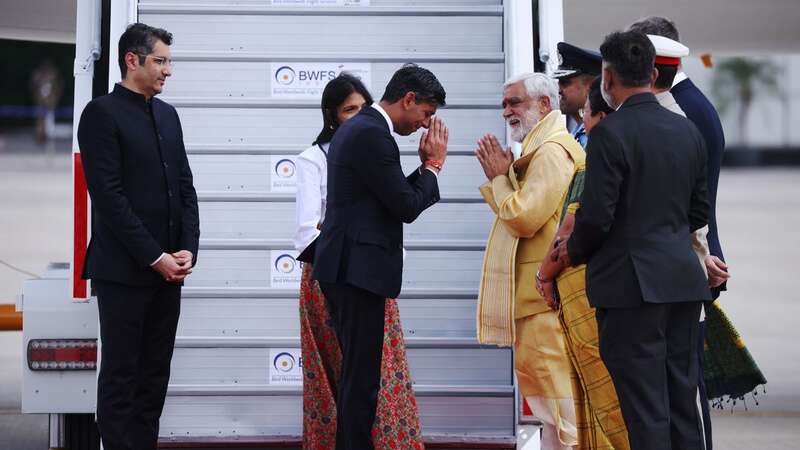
759,220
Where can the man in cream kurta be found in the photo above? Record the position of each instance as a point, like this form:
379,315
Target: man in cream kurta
527,195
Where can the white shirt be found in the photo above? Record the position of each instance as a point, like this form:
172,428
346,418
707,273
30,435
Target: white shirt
666,100
680,76
312,194
385,116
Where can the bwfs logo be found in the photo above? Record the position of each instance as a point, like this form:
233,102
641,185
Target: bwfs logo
307,80
285,75
285,168
283,362
285,264
285,272
287,367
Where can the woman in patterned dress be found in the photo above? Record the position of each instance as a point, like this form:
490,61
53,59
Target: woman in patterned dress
599,417
397,420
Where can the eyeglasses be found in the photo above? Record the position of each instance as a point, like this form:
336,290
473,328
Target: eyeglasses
160,60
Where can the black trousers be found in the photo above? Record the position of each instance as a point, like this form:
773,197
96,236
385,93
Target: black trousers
137,332
358,322
651,354
701,384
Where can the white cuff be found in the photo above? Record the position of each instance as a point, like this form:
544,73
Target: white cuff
431,170
157,260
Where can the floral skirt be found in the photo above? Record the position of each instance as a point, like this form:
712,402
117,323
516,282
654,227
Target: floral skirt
396,420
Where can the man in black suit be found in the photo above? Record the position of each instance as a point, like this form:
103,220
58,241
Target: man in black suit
645,192
144,237
702,113
359,255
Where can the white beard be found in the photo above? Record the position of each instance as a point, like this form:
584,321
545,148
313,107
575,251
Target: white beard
526,124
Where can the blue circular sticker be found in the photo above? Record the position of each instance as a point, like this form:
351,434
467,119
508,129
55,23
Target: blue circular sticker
285,168
283,362
285,263
284,75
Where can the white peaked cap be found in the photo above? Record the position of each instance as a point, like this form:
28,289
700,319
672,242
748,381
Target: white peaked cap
667,47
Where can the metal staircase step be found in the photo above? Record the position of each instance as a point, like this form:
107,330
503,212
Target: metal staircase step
295,442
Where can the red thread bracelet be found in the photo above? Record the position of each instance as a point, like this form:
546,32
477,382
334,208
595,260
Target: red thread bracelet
434,163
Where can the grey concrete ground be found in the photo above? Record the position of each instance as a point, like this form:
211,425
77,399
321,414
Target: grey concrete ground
35,196
759,220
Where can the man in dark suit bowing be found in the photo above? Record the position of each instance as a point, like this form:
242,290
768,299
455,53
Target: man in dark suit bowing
144,237
359,255
645,192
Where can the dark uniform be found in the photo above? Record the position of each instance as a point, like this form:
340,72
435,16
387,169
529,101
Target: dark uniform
575,61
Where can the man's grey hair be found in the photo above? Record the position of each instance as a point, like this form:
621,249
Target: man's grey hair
657,25
537,85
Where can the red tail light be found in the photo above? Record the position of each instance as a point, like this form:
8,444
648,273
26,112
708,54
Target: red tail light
62,354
